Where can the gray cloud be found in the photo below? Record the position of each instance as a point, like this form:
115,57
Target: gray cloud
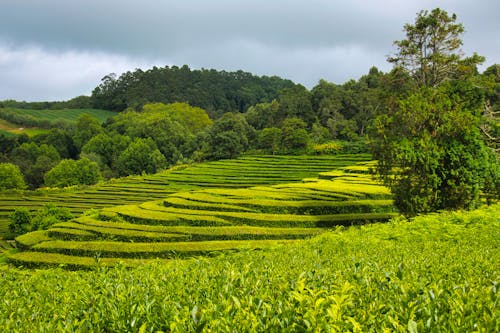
300,40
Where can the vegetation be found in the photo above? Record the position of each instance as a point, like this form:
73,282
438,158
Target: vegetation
11,177
181,249
430,149
209,221
243,172
421,275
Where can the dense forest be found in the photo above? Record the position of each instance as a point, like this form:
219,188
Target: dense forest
175,115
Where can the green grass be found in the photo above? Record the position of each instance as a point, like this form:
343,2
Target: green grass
437,273
68,115
10,129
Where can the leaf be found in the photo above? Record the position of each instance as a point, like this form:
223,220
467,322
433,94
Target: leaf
412,326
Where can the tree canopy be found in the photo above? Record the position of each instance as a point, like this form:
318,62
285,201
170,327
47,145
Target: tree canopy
428,145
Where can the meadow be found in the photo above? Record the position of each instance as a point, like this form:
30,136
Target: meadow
436,273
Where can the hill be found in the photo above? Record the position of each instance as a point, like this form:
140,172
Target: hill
436,273
212,90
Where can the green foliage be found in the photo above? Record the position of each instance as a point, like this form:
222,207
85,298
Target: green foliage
34,161
269,139
214,91
434,158
48,215
229,136
20,221
429,147
398,276
246,171
295,136
430,52
71,172
141,156
85,129
11,177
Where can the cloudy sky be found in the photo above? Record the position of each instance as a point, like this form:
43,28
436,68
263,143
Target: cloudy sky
59,49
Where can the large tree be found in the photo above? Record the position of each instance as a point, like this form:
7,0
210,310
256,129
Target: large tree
428,145
431,50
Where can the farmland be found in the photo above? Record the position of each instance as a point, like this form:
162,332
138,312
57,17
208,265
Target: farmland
211,220
244,172
67,115
436,273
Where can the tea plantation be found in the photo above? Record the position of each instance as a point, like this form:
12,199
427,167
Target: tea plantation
209,221
243,172
437,273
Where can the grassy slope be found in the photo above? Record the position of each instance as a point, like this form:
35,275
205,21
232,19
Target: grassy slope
10,129
70,115
436,273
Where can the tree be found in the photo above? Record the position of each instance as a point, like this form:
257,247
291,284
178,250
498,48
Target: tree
431,50
270,139
229,136
34,161
294,134
141,156
86,128
48,215
431,153
428,145
11,177
71,172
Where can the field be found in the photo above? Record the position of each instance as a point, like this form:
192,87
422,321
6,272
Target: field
244,172
209,221
10,129
437,273
68,115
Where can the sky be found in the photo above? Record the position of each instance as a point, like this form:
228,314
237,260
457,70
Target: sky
59,49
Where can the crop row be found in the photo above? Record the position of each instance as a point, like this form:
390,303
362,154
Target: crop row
208,221
244,172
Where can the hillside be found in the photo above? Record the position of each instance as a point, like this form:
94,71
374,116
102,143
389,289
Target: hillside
243,172
437,273
209,221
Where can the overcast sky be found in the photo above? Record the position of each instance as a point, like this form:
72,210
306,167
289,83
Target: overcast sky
59,49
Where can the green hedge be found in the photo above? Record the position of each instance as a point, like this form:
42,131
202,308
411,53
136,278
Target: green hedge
149,250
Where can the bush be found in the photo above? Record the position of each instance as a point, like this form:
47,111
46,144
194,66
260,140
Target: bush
49,215
11,177
20,221
71,172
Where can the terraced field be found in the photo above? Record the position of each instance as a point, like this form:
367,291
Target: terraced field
209,221
243,172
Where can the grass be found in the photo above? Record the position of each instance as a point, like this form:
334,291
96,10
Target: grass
437,273
10,129
68,115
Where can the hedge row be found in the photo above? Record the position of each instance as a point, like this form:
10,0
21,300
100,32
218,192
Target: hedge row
150,250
